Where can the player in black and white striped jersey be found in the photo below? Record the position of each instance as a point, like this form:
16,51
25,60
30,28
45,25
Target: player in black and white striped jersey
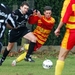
17,20
4,12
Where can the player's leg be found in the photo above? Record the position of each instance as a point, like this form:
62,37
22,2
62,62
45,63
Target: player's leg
66,45
2,30
37,46
60,62
6,52
22,56
14,35
30,36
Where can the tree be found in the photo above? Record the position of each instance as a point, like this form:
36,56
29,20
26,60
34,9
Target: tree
39,4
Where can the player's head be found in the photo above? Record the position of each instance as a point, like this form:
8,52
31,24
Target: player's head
47,11
24,7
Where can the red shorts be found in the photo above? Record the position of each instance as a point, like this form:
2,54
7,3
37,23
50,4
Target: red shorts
37,46
68,41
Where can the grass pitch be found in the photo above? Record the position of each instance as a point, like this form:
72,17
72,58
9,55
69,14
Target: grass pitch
29,68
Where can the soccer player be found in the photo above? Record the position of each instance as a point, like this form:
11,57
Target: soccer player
68,42
4,12
19,17
44,26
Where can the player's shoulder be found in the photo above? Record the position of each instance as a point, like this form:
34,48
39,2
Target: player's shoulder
2,5
53,19
16,11
4,8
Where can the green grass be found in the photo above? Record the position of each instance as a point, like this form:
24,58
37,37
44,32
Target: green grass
28,68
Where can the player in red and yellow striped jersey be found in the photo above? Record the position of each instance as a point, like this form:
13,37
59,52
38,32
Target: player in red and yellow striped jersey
43,29
44,26
68,42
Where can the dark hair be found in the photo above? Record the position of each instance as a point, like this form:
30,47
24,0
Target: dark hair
24,3
47,8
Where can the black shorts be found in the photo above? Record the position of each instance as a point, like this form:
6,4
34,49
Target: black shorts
15,34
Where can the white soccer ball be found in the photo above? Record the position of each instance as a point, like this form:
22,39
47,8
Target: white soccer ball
47,64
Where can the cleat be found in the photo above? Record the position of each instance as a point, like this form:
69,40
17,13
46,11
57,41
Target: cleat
29,59
14,63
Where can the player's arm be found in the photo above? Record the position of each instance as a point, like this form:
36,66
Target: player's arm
33,19
65,14
57,31
11,20
9,26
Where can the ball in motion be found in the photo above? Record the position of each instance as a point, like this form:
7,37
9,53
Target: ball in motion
47,64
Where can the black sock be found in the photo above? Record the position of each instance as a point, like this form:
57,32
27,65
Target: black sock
6,52
31,49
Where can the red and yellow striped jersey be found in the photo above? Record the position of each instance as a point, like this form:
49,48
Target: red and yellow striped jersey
43,29
68,14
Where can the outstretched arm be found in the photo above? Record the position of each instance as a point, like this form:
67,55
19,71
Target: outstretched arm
57,31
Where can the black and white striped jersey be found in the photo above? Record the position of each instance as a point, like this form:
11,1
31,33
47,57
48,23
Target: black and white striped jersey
4,11
17,19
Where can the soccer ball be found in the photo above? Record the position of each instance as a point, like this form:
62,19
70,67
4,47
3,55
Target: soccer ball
47,64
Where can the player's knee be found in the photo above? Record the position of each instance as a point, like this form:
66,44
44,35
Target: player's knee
10,46
62,57
34,40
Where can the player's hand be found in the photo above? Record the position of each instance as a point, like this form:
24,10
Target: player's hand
39,14
35,12
57,32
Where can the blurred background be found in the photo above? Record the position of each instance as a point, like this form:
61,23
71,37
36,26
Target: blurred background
39,4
